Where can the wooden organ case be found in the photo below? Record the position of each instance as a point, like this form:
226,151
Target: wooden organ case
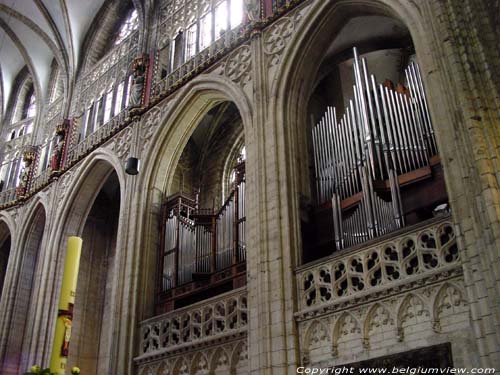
203,250
377,167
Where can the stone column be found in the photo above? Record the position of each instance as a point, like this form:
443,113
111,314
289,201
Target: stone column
271,286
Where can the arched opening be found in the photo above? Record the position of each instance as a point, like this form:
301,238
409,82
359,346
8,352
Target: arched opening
93,311
5,242
372,158
184,37
56,86
24,286
203,252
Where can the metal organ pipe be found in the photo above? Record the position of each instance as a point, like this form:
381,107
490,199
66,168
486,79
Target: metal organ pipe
190,245
168,273
381,135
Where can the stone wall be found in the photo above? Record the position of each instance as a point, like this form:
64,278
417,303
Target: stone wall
269,78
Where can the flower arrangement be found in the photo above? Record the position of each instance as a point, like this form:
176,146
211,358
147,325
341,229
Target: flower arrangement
37,370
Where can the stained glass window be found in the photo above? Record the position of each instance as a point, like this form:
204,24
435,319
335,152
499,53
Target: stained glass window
31,110
131,24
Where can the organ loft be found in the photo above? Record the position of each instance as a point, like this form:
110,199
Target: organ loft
249,186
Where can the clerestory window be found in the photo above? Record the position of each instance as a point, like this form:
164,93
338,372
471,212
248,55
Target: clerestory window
31,107
130,25
200,33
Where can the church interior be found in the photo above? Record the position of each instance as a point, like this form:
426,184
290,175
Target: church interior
260,186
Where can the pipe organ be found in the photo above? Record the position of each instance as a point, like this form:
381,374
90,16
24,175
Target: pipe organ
383,140
202,248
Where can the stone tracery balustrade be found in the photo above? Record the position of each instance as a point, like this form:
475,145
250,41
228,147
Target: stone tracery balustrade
112,69
222,316
54,109
95,139
17,143
406,256
53,116
119,57
200,61
38,182
7,197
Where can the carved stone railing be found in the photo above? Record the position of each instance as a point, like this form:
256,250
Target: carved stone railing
104,132
113,68
53,117
54,109
213,319
18,142
409,255
200,61
38,182
7,197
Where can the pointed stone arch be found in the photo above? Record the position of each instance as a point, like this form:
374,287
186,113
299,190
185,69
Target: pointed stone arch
181,366
174,126
165,368
77,191
5,252
293,84
317,344
182,117
412,307
220,362
199,364
103,29
448,301
239,359
377,317
25,283
347,328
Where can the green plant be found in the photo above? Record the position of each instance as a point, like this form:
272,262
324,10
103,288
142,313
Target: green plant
37,370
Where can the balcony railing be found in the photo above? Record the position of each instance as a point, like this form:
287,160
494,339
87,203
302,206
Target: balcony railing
18,142
203,322
39,181
82,148
199,62
114,67
7,197
408,255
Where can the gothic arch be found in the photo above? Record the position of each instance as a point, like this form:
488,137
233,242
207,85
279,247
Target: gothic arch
25,284
371,314
29,68
87,180
176,125
164,368
338,326
456,297
7,225
181,119
77,191
181,366
239,354
219,357
103,29
402,312
199,364
6,231
293,84
312,329
18,94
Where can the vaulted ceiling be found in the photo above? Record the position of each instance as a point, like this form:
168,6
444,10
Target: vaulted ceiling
35,32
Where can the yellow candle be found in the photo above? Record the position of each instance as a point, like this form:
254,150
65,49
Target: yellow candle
66,302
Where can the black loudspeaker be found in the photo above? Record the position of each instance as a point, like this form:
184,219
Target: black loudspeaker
132,166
